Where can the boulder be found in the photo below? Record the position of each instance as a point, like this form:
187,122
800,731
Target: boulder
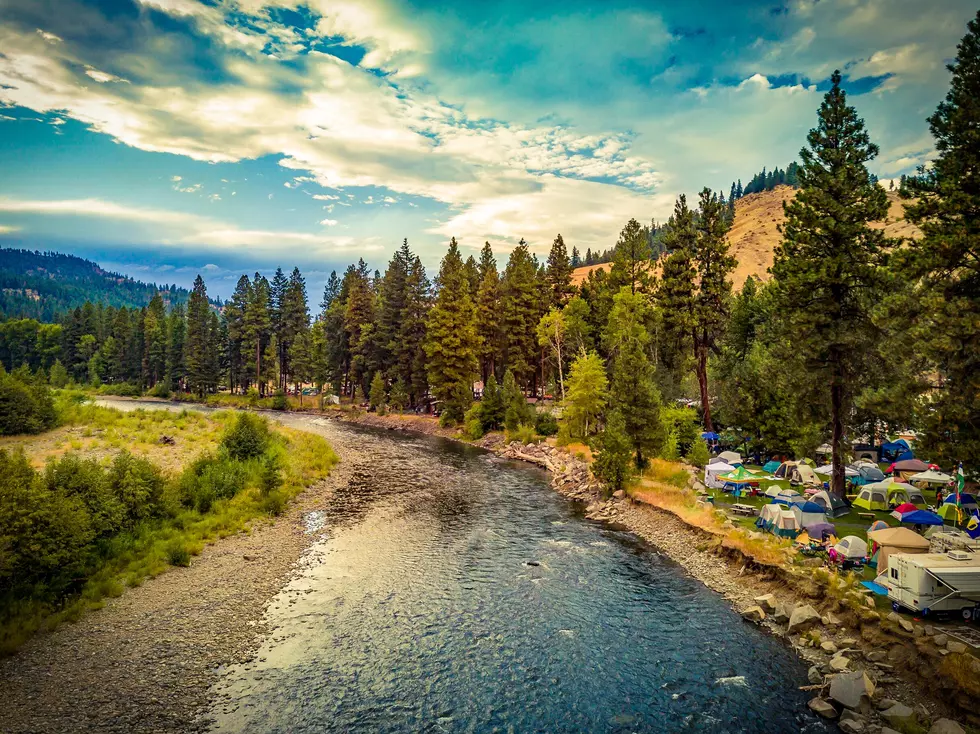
956,646
918,630
946,726
828,647
852,727
852,690
940,640
781,614
839,663
823,708
802,618
830,620
754,614
767,602
619,494
877,656
814,675
885,703
898,715
848,715
905,624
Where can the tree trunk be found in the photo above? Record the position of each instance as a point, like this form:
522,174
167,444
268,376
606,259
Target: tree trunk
837,437
258,366
702,370
561,373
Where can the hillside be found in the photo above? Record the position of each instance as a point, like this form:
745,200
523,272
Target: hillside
755,232
42,285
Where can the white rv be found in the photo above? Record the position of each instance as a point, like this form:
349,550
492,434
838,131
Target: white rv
932,583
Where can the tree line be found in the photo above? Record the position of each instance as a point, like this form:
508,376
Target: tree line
854,334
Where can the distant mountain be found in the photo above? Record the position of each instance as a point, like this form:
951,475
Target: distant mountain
42,285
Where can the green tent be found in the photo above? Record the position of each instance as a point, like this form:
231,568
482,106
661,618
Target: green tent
872,499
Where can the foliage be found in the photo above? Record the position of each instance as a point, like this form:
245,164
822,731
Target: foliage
517,411
26,405
698,455
546,424
613,464
247,437
377,396
587,396
522,433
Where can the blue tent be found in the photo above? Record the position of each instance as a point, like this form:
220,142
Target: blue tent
771,467
895,451
966,500
922,517
710,436
809,507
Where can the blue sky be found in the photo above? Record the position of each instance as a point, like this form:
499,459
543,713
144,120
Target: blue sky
170,137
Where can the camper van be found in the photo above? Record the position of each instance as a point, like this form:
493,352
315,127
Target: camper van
935,583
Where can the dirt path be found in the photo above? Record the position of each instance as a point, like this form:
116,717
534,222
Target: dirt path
146,661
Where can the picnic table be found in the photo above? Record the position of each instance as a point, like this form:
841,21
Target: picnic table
740,509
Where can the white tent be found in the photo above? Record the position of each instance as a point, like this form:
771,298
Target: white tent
711,472
824,449
732,457
931,477
828,469
808,513
788,497
852,547
787,524
774,491
833,505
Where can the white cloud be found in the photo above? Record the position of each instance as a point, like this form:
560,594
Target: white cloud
328,222
7,229
103,77
49,37
325,197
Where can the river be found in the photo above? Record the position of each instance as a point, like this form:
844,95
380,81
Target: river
447,590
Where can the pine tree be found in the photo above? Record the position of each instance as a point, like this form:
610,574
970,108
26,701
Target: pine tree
294,322
633,392
675,293
391,306
517,411
712,266
410,355
197,344
488,313
576,260
520,310
613,464
176,334
827,273
472,276
277,297
559,274
359,315
257,328
946,262
155,341
377,396
631,259
59,375
451,340
235,318
588,391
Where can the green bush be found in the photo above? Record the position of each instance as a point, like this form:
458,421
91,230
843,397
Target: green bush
177,554
524,433
160,390
211,478
613,464
473,422
270,475
138,485
247,437
279,401
698,455
122,389
274,503
26,405
546,424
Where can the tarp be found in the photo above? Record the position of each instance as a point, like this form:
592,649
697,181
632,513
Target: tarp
931,477
895,450
710,435
828,469
852,547
833,505
731,457
770,467
897,540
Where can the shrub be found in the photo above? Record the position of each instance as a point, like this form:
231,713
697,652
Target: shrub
516,408
398,399
546,424
122,389
160,390
209,479
698,455
270,476
274,503
524,433
138,485
473,422
59,375
247,437
377,394
26,405
613,464
279,401
178,555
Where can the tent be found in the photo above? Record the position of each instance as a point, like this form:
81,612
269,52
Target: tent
824,449
808,513
773,491
868,475
709,436
930,477
833,505
788,497
871,499
905,469
768,516
896,540
895,451
828,469
797,472
967,501
809,462
951,513
878,525
921,517
711,472
897,493
852,548
731,457
864,451
787,526
770,467
819,530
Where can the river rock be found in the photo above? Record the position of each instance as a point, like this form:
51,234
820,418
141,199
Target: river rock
956,646
754,614
767,602
781,614
940,640
877,656
828,647
885,703
946,726
822,707
619,494
850,726
852,690
898,715
839,663
802,618
814,675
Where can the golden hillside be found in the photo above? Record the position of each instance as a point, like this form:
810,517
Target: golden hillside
755,232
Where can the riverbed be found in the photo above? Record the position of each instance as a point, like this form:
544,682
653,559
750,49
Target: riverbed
441,589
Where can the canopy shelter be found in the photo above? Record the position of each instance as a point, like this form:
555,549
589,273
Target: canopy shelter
808,513
820,530
771,466
833,505
930,476
713,471
731,457
828,469
874,500
902,509
709,436
740,476
905,469
824,449
852,548
895,451
896,540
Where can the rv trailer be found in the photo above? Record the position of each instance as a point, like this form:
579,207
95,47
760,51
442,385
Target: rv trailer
935,583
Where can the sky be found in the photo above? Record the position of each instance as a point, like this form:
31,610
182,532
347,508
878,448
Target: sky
166,138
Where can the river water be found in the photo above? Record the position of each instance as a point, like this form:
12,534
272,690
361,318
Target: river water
451,591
